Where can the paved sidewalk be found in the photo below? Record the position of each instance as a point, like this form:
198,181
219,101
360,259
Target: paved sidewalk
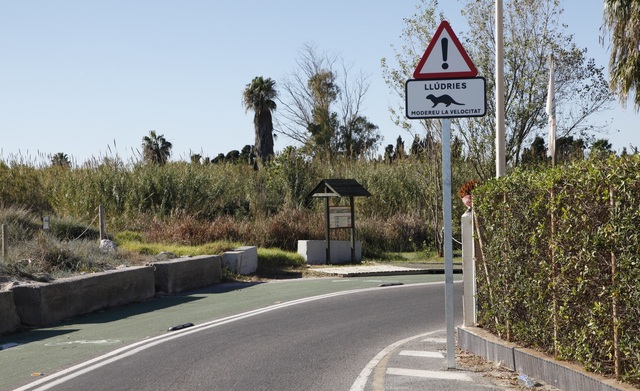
420,363
384,269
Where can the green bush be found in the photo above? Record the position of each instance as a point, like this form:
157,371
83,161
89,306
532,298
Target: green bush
21,224
559,266
21,187
67,229
128,236
192,203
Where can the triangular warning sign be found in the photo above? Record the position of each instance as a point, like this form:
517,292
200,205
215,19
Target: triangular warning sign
445,57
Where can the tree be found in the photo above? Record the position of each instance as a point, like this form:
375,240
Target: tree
417,33
417,146
321,107
622,18
232,156
357,138
218,159
247,154
400,152
196,158
536,153
60,159
569,149
532,31
155,148
324,92
601,148
259,96
389,154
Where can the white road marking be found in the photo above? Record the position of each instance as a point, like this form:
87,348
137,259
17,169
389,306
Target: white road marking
443,375
421,353
84,342
363,377
435,340
126,351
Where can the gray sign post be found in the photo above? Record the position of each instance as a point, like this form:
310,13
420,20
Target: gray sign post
445,87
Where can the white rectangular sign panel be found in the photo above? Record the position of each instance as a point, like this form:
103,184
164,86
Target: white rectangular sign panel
445,98
339,217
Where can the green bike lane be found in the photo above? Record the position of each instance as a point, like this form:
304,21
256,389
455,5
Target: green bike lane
30,355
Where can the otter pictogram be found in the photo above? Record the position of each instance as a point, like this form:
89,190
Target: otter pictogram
446,99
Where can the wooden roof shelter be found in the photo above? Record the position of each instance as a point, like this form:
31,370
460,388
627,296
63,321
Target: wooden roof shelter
339,188
329,188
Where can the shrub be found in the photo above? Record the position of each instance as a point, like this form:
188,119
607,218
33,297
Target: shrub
21,223
559,264
68,229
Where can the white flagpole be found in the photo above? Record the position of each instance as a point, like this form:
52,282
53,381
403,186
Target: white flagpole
500,108
551,112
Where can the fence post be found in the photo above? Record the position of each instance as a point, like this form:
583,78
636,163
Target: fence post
468,271
5,242
101,219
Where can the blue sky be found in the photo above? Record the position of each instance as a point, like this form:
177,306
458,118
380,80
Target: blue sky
90,77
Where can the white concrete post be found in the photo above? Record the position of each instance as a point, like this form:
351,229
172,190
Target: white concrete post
468,271
103,233
500,108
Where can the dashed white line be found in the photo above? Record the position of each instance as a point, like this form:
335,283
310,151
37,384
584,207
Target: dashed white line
421,353
361,381
428,374
435,340
118,354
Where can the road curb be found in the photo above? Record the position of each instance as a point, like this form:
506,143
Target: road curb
380,270
562,375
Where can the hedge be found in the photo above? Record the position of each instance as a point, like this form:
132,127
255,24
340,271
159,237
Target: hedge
558,262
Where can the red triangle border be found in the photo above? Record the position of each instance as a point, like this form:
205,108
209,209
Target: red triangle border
473,72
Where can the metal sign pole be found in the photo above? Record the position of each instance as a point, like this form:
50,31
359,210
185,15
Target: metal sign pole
442,82
448,244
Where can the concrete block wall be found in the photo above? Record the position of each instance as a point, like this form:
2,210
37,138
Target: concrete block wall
243,260
46,303
42,304
315,253
188,273
9,320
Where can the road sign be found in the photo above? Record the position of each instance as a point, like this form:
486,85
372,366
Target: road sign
339,217
445,98
447,87
445,57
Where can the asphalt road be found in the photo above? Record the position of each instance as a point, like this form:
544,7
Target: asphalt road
317,343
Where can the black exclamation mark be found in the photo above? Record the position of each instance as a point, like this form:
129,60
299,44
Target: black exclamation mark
445,44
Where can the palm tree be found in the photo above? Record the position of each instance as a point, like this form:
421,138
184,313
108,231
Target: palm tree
196,158
155,148
60,159
259,96
622,18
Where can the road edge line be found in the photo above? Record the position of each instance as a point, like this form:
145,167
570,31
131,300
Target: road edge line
361,381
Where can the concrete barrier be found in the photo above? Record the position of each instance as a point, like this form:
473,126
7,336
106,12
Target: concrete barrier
315,253
560,374
9,320
243,260
47,303
188,273
484,344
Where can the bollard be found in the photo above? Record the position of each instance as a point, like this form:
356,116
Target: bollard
468,271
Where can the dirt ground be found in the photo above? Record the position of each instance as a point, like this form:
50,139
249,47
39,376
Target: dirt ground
496,374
